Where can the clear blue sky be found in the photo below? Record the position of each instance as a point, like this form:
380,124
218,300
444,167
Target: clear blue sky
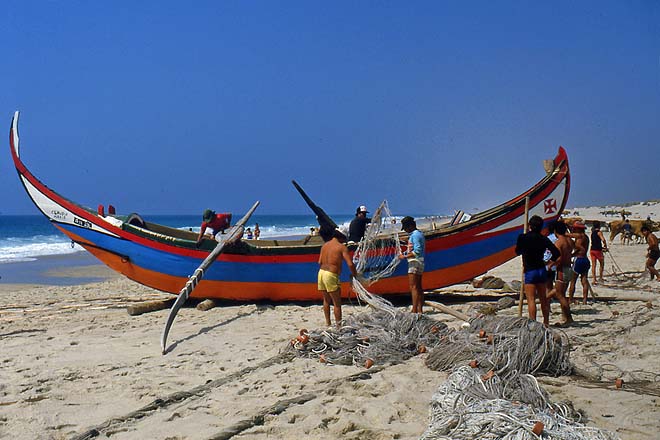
173,107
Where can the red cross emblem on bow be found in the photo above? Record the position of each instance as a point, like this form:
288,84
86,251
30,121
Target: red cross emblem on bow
549,206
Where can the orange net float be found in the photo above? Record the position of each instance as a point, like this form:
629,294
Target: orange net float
303,338
474,363
434,329
615,313
489,340
538,428
421,349
618,383
368,363
303,331
489,375
482,333
322,359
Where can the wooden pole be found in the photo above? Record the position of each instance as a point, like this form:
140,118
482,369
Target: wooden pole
206,305
522,270
443,308
148,306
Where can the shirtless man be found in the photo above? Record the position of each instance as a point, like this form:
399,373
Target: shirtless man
330,259
653,252
581,264
564,272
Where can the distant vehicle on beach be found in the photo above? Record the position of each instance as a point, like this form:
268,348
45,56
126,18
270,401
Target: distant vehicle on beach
163,258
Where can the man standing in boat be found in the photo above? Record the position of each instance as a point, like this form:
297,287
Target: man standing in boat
358,225
217,222
330,261
415,256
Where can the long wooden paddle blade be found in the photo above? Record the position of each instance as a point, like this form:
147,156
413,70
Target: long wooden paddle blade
234,235
323,218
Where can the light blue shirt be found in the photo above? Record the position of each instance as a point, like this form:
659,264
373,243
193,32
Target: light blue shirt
417,244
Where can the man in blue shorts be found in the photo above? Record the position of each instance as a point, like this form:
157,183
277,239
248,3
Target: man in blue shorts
581,264
532,246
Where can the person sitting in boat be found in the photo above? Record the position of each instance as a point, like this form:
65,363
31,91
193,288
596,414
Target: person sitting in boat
218,222
358,225
248,234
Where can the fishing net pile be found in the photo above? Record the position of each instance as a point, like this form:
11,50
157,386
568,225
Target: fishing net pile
377,256
507,345
466,406
371,337
492,392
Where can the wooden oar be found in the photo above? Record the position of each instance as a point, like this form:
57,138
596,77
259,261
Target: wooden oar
321,216
235,233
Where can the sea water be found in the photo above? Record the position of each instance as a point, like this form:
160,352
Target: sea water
24,238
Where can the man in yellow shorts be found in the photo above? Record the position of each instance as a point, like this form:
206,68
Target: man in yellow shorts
330,260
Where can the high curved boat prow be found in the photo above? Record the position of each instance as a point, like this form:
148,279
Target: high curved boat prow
163,258
13,134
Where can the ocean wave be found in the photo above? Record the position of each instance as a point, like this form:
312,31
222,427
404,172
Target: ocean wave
13,250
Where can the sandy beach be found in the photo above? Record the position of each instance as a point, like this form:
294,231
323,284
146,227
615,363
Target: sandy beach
75,364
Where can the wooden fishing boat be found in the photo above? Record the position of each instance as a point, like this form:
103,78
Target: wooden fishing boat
163,257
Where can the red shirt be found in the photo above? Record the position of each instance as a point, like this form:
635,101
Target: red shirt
218,223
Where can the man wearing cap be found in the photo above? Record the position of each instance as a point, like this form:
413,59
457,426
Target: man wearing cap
581,263
359,224
330,261
217,222
415,256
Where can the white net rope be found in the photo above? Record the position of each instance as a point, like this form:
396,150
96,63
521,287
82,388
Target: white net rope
377,256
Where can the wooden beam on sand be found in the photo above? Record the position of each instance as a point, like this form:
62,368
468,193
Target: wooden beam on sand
207,305
646,299
448,310
149,306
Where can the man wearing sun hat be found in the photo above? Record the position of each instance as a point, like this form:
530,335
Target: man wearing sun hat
359,224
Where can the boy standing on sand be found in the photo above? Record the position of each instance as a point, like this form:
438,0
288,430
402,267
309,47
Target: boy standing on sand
415,256
330,259
653,252
581,264
598,246
532,246
564,271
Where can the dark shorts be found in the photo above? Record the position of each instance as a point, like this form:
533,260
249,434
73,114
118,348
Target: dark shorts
654,255
581,265
536,276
